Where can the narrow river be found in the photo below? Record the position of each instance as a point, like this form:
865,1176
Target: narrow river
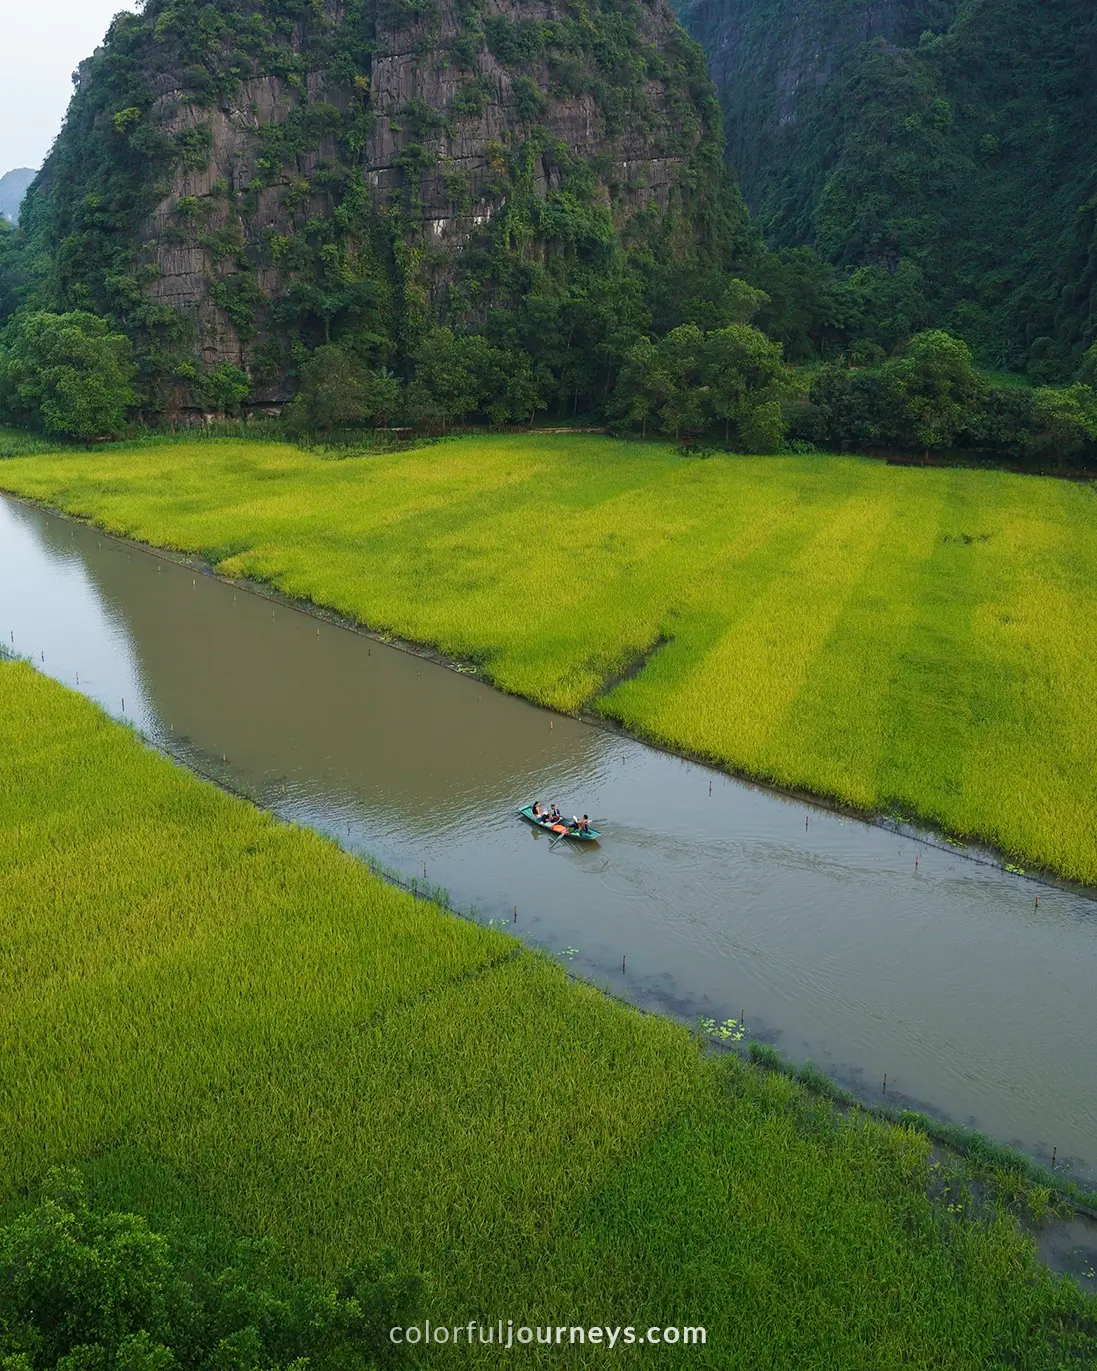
867,951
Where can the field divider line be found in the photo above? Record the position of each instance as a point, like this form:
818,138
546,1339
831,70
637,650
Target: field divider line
383,1013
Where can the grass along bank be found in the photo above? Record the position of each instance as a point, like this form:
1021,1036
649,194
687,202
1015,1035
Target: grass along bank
895,639
208,1003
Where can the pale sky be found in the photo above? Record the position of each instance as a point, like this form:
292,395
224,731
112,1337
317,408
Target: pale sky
42,42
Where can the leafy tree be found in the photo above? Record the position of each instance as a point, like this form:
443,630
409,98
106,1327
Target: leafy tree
337,390
69,374
1064,423
90,1291
678,380
1004,421
743,374
693,382
848,409
223,389
934,388
457,375
637,393
446,385
807,307
764,428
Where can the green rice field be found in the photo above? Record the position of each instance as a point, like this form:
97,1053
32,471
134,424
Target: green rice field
911,640
230,1024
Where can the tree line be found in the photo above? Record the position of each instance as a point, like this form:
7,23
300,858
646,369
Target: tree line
74,376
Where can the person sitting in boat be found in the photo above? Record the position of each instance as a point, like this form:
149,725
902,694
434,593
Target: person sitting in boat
554,816
580,825
540,813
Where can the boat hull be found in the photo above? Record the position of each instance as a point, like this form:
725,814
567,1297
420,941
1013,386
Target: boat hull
560,830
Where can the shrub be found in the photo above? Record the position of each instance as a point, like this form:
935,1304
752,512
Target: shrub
92,1290
223,389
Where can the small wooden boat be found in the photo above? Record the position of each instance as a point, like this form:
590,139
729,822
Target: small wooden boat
560,830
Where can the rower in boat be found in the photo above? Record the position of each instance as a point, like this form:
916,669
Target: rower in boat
578,830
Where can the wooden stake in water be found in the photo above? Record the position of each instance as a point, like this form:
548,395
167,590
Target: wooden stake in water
884,1091
622,966
515,913
1054,1154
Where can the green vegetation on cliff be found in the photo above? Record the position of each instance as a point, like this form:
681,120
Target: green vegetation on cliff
897,638
271,1041
942,153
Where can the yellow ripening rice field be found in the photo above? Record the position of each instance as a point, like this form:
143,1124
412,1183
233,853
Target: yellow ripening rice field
904,639
195,997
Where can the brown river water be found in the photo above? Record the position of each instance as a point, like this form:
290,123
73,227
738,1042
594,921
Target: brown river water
868,950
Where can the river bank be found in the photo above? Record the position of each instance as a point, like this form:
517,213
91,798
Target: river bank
332,1063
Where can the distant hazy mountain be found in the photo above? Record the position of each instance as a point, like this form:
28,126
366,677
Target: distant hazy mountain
13,186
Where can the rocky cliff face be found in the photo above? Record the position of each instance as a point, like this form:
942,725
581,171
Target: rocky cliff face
230,182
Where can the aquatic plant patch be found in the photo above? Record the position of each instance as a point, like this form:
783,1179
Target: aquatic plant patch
903,639
230,1021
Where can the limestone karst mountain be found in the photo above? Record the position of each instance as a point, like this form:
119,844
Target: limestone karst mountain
235,180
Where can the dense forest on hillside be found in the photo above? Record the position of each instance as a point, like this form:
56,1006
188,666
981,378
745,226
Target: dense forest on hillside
945,153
